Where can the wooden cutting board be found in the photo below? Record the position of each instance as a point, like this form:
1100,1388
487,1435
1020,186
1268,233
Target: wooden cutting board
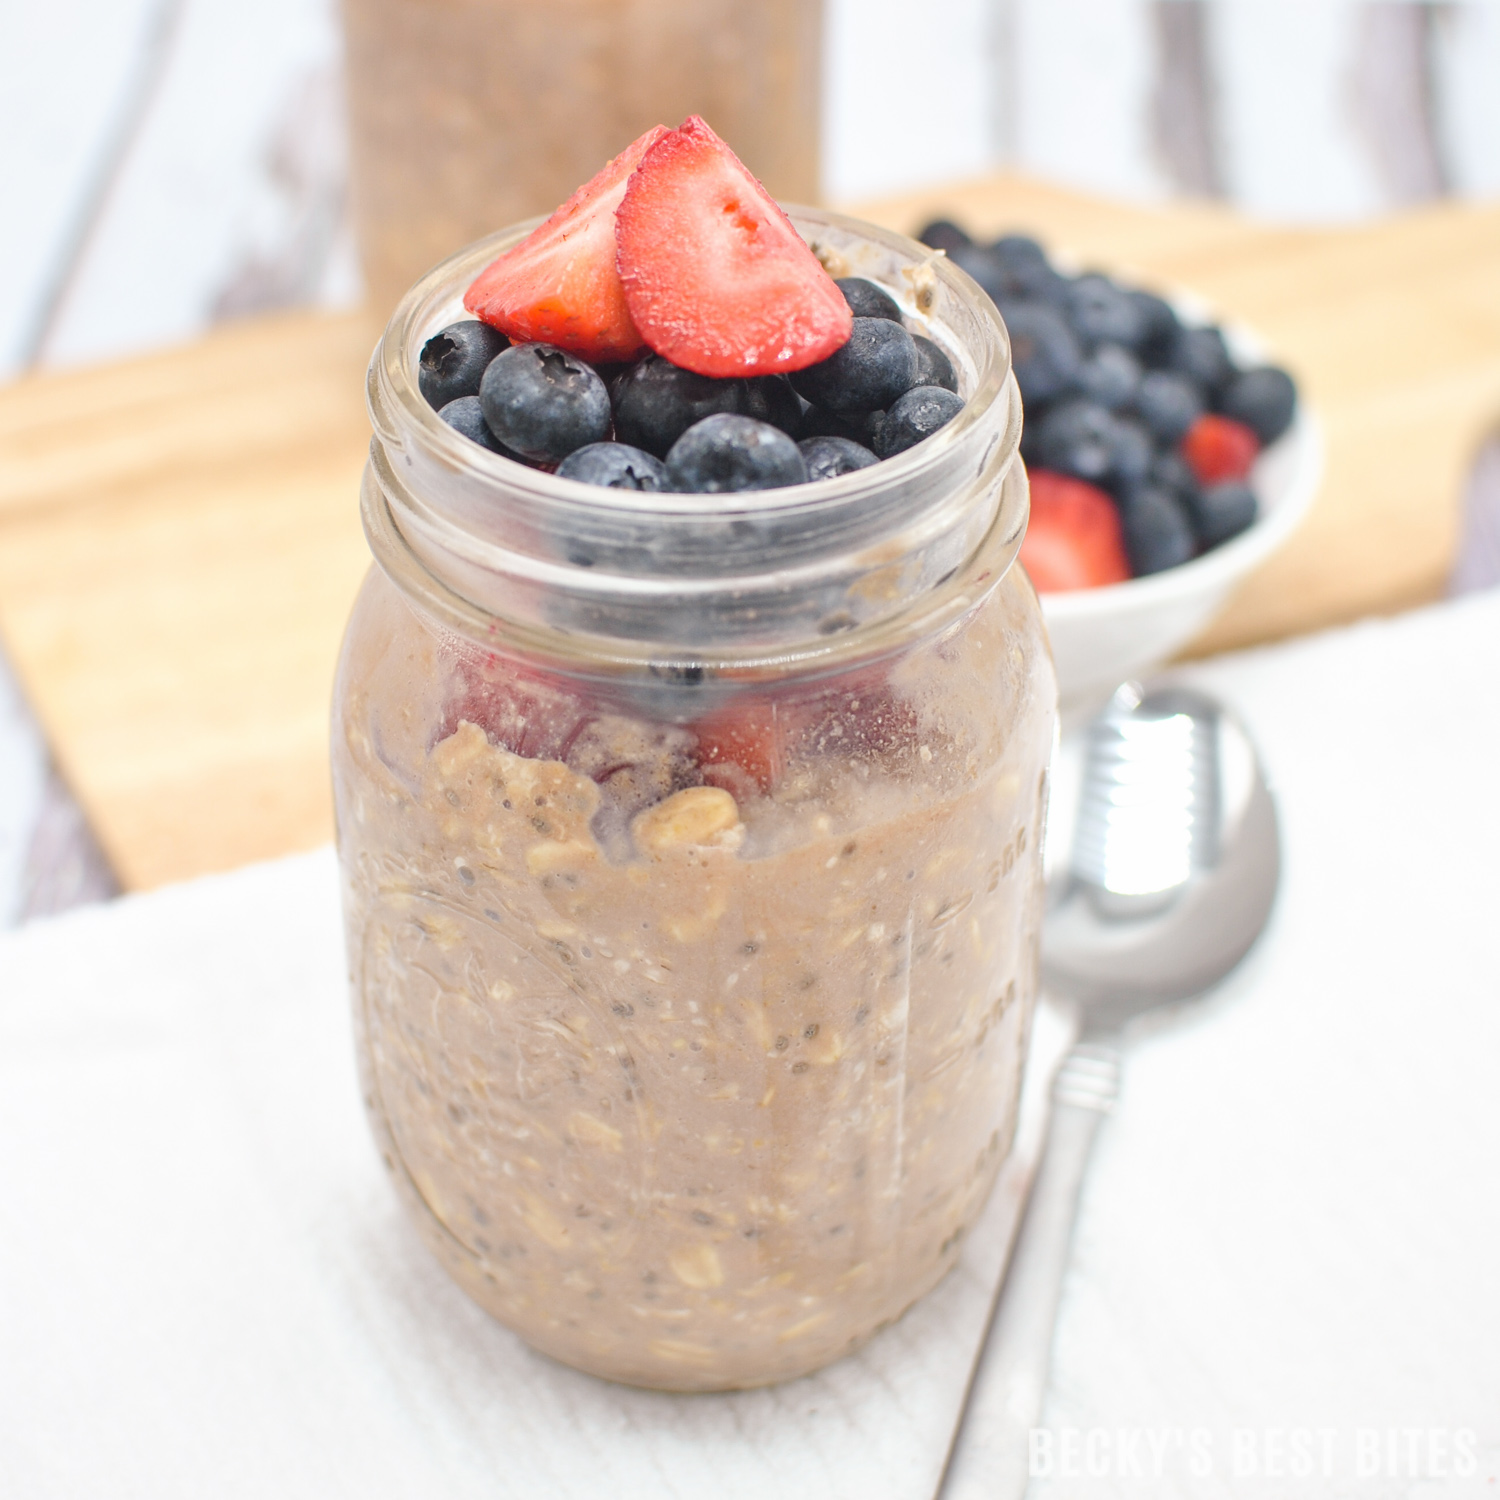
180,542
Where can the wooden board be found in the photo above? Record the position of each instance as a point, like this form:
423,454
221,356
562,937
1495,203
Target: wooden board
179,537
179,545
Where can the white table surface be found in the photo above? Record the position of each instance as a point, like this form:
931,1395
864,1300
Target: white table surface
1291,1226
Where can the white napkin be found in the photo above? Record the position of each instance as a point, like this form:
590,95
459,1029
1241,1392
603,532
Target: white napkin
206,1287
1292,1222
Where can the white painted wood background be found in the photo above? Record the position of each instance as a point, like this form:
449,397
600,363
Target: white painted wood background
168,163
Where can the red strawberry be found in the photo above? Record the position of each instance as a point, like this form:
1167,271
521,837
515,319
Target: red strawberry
1218,449
716,277
1074,539
559,285
747,734
753,738
522,709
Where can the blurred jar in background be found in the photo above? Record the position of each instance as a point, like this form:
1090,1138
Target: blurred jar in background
470,114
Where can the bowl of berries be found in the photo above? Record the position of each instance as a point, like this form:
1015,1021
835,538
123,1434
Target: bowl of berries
1167,457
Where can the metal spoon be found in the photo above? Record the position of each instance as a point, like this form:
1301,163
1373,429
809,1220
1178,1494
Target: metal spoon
1174,866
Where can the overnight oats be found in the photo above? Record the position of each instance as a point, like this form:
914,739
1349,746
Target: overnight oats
691,851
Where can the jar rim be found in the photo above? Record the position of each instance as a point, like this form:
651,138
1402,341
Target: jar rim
935,610
461,508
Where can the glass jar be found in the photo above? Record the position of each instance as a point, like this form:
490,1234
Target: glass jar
691,856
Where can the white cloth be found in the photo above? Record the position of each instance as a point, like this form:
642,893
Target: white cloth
1293,1219
206,1286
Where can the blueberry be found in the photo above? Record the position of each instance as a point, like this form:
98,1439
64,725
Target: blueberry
1021,254
614,466
1171,470
1131,455
878,364
543,403
729,452
933,366
1202,355
943,234
866,300
614,378
1263,400
857,426
657,402
1158,534
1110,376
466,416
770,398
1103,313
453,362
828,457
1043,351
1168,404
1031,449
1027,271
1159,327
917,415
1009,273
981,262
1222,511
612,373
1078,437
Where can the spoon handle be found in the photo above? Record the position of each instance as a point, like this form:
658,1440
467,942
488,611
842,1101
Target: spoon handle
990,1458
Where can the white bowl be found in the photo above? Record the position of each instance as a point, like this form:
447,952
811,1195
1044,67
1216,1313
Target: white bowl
1102,637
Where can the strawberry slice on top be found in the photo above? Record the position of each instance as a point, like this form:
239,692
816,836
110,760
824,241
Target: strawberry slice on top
716,276
559,285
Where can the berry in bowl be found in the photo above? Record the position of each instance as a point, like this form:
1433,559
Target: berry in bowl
1167,458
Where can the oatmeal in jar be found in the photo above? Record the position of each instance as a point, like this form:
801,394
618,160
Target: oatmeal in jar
690,806
698,1087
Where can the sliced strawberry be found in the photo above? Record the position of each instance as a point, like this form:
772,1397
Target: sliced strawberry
753,739
559,285
747,735
1219,449
521,709
716,277
1073,539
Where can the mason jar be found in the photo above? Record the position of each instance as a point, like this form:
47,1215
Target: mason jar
691,860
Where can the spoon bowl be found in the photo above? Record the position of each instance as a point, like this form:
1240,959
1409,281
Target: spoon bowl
1174,862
